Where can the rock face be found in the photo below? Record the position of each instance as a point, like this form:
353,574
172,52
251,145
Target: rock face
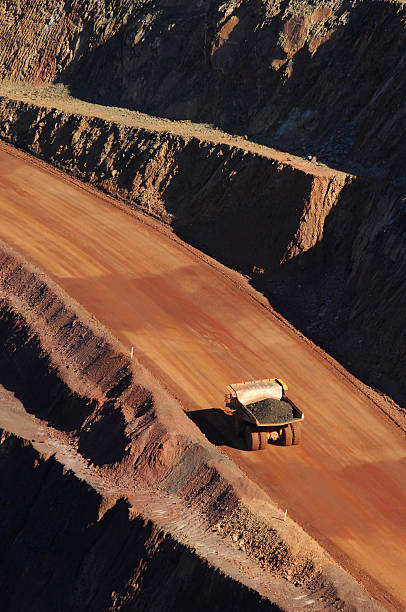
70,554
204,188
346,293
323,79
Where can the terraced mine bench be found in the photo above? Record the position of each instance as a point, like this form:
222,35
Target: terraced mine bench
262,412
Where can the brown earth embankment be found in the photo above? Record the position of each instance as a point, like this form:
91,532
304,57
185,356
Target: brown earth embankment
69,373
326,248
347,293
229,196
64,548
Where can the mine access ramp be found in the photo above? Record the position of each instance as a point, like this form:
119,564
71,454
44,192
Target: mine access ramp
263,412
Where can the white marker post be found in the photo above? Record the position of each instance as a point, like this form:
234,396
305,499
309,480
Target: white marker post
132,352
286,514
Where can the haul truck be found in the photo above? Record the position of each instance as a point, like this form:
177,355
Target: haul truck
263,411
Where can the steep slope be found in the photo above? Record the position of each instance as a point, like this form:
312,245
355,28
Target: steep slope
319,78
73,548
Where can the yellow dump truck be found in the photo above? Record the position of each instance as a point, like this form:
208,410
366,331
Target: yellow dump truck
263,411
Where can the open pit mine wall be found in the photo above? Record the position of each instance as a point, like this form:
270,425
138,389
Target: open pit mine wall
62,550
325,78
347,292
328,250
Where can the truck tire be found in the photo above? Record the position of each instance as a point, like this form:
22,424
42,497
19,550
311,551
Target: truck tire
287,436
296,430
251,438
263,440
237,424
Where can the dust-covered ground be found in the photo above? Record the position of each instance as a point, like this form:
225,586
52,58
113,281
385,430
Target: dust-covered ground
89,413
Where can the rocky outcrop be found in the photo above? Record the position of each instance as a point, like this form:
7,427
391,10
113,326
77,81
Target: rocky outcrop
64,550
322,79
347,292
225,197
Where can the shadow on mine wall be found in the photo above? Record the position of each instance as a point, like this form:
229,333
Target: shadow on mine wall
242,210
26,371
334,103
347,293
59,554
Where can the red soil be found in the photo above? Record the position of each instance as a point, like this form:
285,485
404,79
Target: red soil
197,328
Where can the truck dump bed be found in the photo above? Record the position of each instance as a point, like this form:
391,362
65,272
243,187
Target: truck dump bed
272,411
264,402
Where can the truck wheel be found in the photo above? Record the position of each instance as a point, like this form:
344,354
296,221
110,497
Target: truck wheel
237,424
251,438
296,430
263,440
287,436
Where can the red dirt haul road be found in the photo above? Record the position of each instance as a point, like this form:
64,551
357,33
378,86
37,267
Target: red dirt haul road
198,330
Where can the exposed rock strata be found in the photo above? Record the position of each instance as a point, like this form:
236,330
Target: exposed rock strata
71,553
322,78
348,292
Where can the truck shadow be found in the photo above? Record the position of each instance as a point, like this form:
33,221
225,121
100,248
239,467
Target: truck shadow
218,427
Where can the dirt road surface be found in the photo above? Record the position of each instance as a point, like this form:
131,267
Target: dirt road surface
198,328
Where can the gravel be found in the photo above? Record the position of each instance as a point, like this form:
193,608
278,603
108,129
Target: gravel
272,411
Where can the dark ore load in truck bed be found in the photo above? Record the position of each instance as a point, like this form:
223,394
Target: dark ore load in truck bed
272,410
